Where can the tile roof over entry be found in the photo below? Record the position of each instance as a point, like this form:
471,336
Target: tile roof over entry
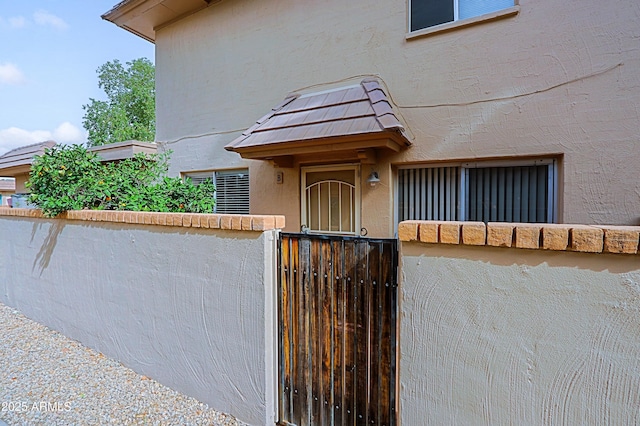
349,119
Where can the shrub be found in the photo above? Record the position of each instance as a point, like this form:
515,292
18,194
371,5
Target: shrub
72,178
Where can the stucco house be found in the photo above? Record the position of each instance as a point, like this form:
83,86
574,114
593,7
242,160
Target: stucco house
348,117
17,163
7,189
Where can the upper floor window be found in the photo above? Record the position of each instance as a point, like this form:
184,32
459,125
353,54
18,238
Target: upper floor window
232,189
429,13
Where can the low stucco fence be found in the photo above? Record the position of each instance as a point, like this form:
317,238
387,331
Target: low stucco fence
499,323
183,298
519,324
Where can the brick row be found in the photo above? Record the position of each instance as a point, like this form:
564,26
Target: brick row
562,237
188,220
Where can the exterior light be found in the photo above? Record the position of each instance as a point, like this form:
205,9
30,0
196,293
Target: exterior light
373,179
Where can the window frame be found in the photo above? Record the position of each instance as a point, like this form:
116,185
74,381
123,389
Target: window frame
459,23
464,166
212,174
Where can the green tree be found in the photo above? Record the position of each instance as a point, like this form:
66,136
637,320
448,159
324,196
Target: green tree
129,112
69,177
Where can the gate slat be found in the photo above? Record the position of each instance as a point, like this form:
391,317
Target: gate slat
362,341
374,327
327,344
384,334
350,264
338,334
297,333
284,317
316,331
305,346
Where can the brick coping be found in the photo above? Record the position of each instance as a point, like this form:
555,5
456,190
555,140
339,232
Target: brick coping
186,220
560,237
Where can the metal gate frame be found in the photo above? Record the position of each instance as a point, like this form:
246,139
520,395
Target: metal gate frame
337,330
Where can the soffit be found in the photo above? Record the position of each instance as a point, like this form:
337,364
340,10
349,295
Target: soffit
346,123
144,17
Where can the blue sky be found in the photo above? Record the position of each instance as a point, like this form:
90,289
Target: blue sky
49,53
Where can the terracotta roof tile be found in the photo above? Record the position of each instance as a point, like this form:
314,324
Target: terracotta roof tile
356,110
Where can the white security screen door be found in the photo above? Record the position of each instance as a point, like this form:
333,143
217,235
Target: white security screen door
331,199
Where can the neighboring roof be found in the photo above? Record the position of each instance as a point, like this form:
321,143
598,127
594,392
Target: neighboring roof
351,118
144,17
122,150
19,160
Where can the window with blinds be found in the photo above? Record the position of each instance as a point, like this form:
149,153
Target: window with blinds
428,13
232,189
517,192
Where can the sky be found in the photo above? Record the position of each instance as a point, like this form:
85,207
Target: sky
49,53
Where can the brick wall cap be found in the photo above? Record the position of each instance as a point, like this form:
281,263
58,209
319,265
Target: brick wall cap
251,223
582,238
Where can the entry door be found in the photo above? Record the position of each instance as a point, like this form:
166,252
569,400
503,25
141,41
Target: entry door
331,200
337,315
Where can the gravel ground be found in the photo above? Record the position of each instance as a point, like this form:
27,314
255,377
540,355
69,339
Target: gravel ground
49,379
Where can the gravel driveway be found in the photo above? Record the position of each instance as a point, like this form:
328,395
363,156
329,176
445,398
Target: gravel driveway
49,379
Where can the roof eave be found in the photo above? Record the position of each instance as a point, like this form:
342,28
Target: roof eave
326,147
144,17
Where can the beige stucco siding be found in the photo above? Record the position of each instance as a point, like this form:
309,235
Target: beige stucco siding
518,337
557,79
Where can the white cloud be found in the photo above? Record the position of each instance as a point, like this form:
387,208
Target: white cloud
17,22
68,133
13,22
42,17
10,74
14,137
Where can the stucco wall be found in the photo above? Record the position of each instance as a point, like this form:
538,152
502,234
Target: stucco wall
183,305
512,336
559,78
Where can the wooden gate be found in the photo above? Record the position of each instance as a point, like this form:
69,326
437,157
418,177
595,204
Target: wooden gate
337,311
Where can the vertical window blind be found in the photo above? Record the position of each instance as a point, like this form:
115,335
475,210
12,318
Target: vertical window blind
521,193
428,193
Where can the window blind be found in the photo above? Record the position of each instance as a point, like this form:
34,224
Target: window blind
428,193
475,192
232,189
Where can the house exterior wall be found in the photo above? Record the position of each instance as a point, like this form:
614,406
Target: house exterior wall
512,336
188,306
21,183
558,79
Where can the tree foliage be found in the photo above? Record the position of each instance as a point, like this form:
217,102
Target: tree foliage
129,111
71,178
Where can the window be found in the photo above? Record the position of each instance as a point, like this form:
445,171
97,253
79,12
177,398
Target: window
429,13
484,192
232,189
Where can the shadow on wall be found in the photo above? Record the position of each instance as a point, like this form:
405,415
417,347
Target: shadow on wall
41,262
